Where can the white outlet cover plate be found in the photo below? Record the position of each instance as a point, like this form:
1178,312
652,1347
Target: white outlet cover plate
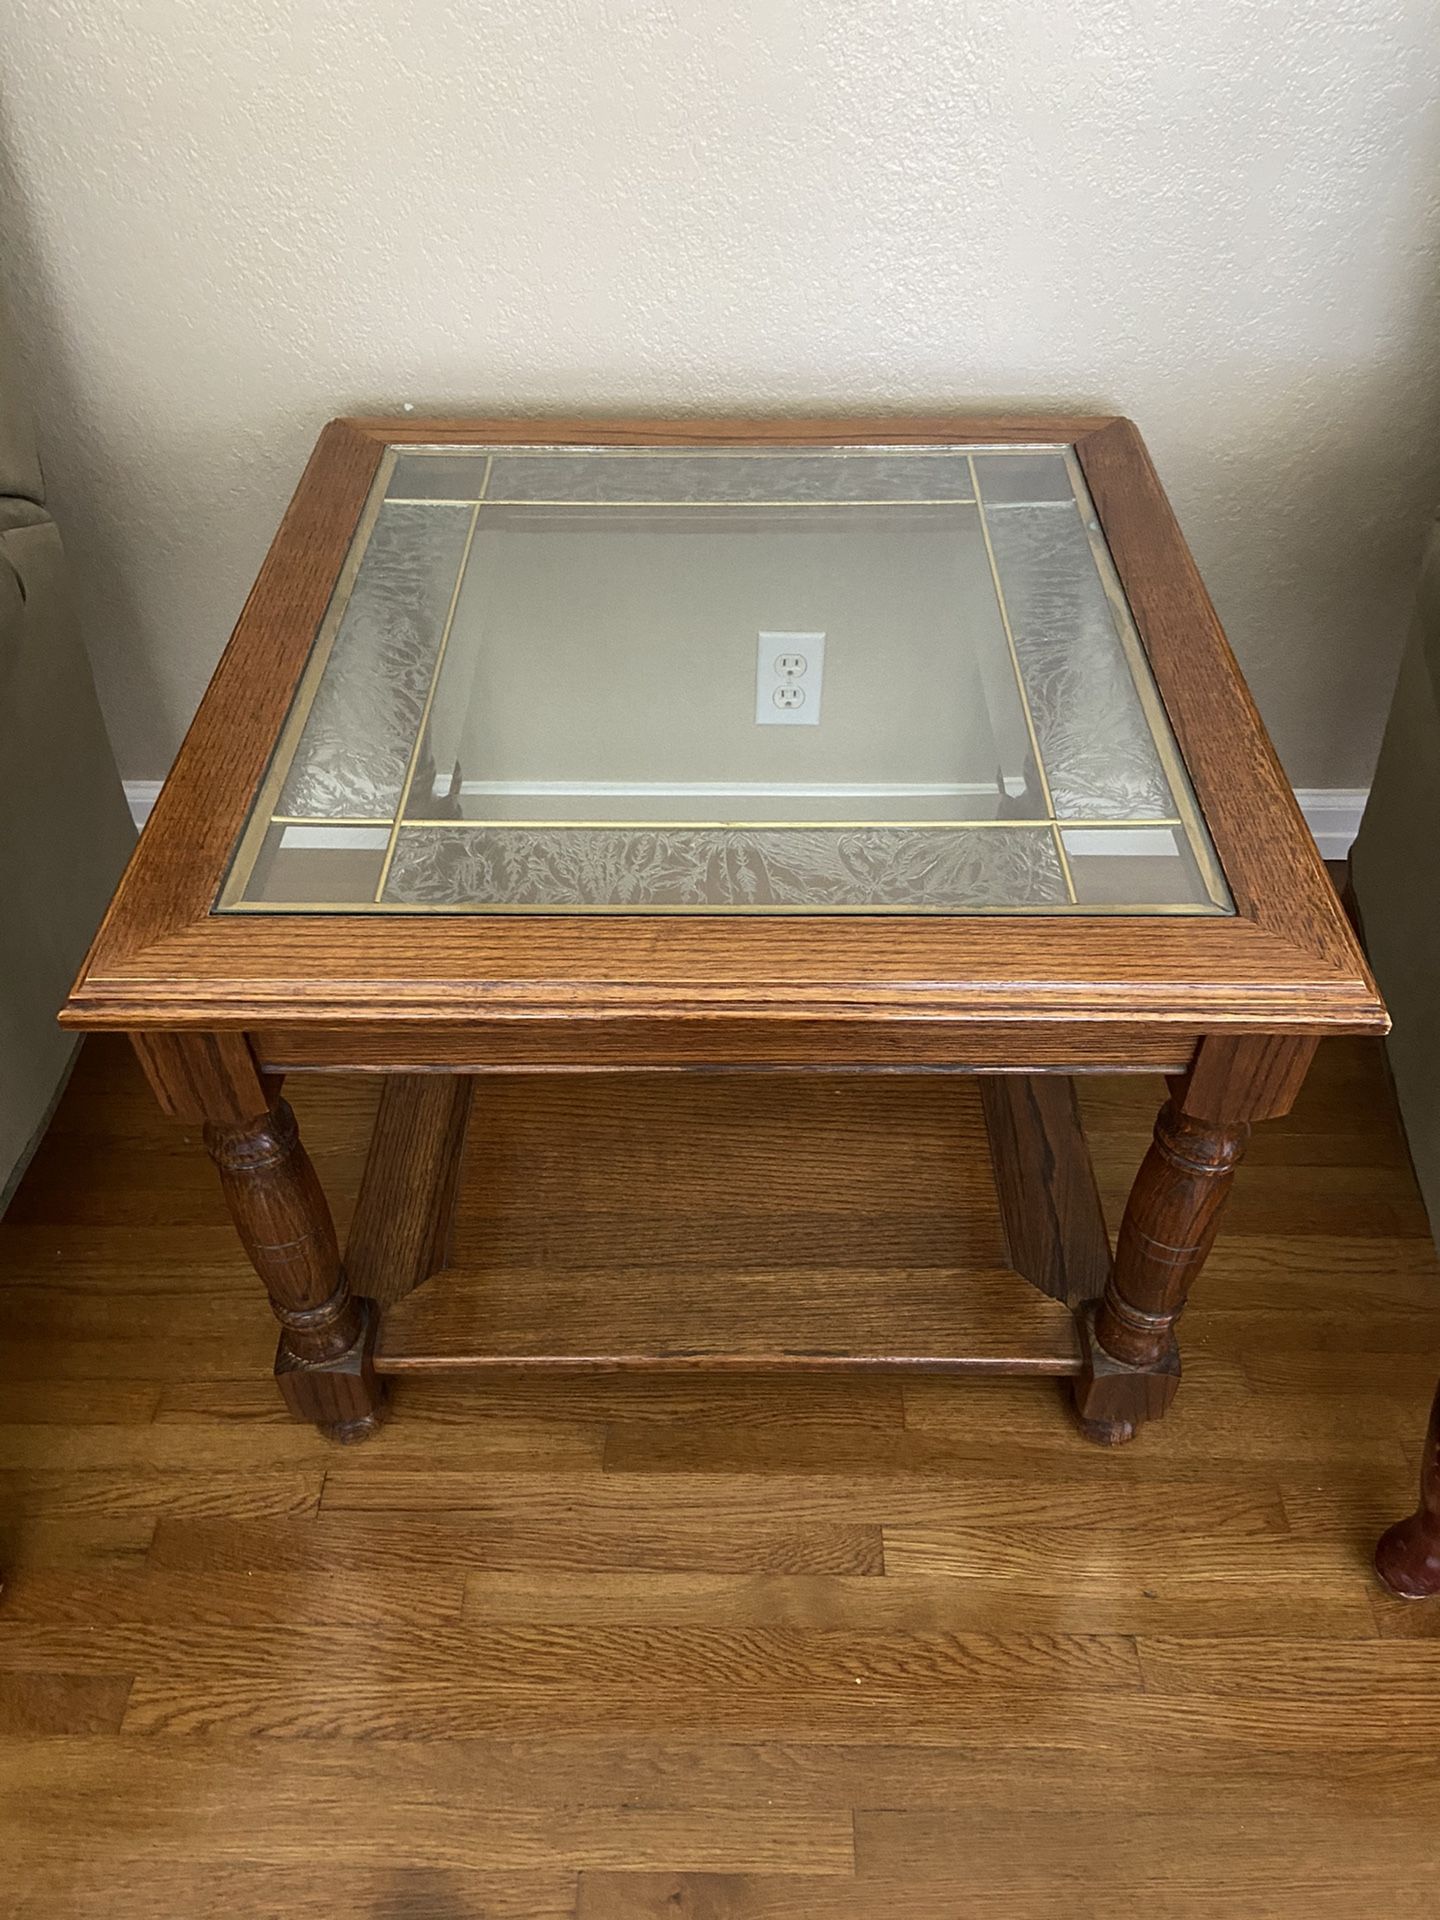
784,664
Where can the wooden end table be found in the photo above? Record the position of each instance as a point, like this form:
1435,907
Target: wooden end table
853,747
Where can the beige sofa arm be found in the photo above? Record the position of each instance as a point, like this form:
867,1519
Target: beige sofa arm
1393,869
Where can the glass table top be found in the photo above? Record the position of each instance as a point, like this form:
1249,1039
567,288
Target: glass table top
740,680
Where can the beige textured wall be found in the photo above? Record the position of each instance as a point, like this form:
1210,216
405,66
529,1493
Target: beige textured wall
224,222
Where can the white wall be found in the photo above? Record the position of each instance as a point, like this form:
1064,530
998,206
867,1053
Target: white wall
225,220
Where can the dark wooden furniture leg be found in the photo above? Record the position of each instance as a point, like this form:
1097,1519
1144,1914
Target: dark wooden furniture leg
401,1230
1131,1360
1408,1556
1049,1202
324,1362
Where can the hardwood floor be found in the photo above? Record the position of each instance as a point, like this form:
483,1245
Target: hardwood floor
723,1646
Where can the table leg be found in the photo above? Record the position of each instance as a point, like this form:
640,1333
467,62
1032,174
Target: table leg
323,1364
400,1233
1044,1182
1131,1357
1408,1556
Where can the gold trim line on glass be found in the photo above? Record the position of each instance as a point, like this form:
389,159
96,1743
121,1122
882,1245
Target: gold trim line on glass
1020,686
417,745
736,450
466,821
1060,909
257,820
831,506
1152,705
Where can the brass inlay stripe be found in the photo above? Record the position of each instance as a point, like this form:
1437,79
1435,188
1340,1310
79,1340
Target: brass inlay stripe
1063,858
417,746
1040,824
1202,847
600,826
559,500
1199,910
257,824
1010,643
330,820
746,450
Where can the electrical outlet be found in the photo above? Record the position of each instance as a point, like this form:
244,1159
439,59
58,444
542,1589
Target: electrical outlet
789,669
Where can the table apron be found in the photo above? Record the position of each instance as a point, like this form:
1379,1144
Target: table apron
601,1045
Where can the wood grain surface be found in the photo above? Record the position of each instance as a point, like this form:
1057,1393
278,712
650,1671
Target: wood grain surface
735,1648
1050,1209
750,1221
404,1214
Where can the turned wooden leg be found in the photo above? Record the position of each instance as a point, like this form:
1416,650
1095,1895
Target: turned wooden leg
324,1361
324,1365
1131,1360
1408,1556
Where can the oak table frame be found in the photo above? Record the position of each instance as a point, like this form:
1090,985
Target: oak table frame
1229,1007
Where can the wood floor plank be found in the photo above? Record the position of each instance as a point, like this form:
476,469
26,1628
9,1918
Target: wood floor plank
918,1603
78,1541
1060,1560
452,1835
435,1709
238,1776
62,1313
638,1896
1397,1619
354,1542
122,1404
147,1257
1086,1498
1378,1362
1396,1676
289,1446
57,1493
1218,1421
787,1402
119,1886
128,1355
58,1602
1220,1428
1241,1861
482,1679
42,1702
1097,1722
490,1658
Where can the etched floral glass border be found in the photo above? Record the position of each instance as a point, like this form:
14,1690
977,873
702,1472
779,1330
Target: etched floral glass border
1122,831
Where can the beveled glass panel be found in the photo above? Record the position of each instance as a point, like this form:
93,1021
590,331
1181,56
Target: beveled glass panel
774,680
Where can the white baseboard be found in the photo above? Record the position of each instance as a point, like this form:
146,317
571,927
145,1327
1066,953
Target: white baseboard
141,796
1331,813
1333,816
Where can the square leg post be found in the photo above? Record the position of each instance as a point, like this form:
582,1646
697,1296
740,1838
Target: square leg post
400,1232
